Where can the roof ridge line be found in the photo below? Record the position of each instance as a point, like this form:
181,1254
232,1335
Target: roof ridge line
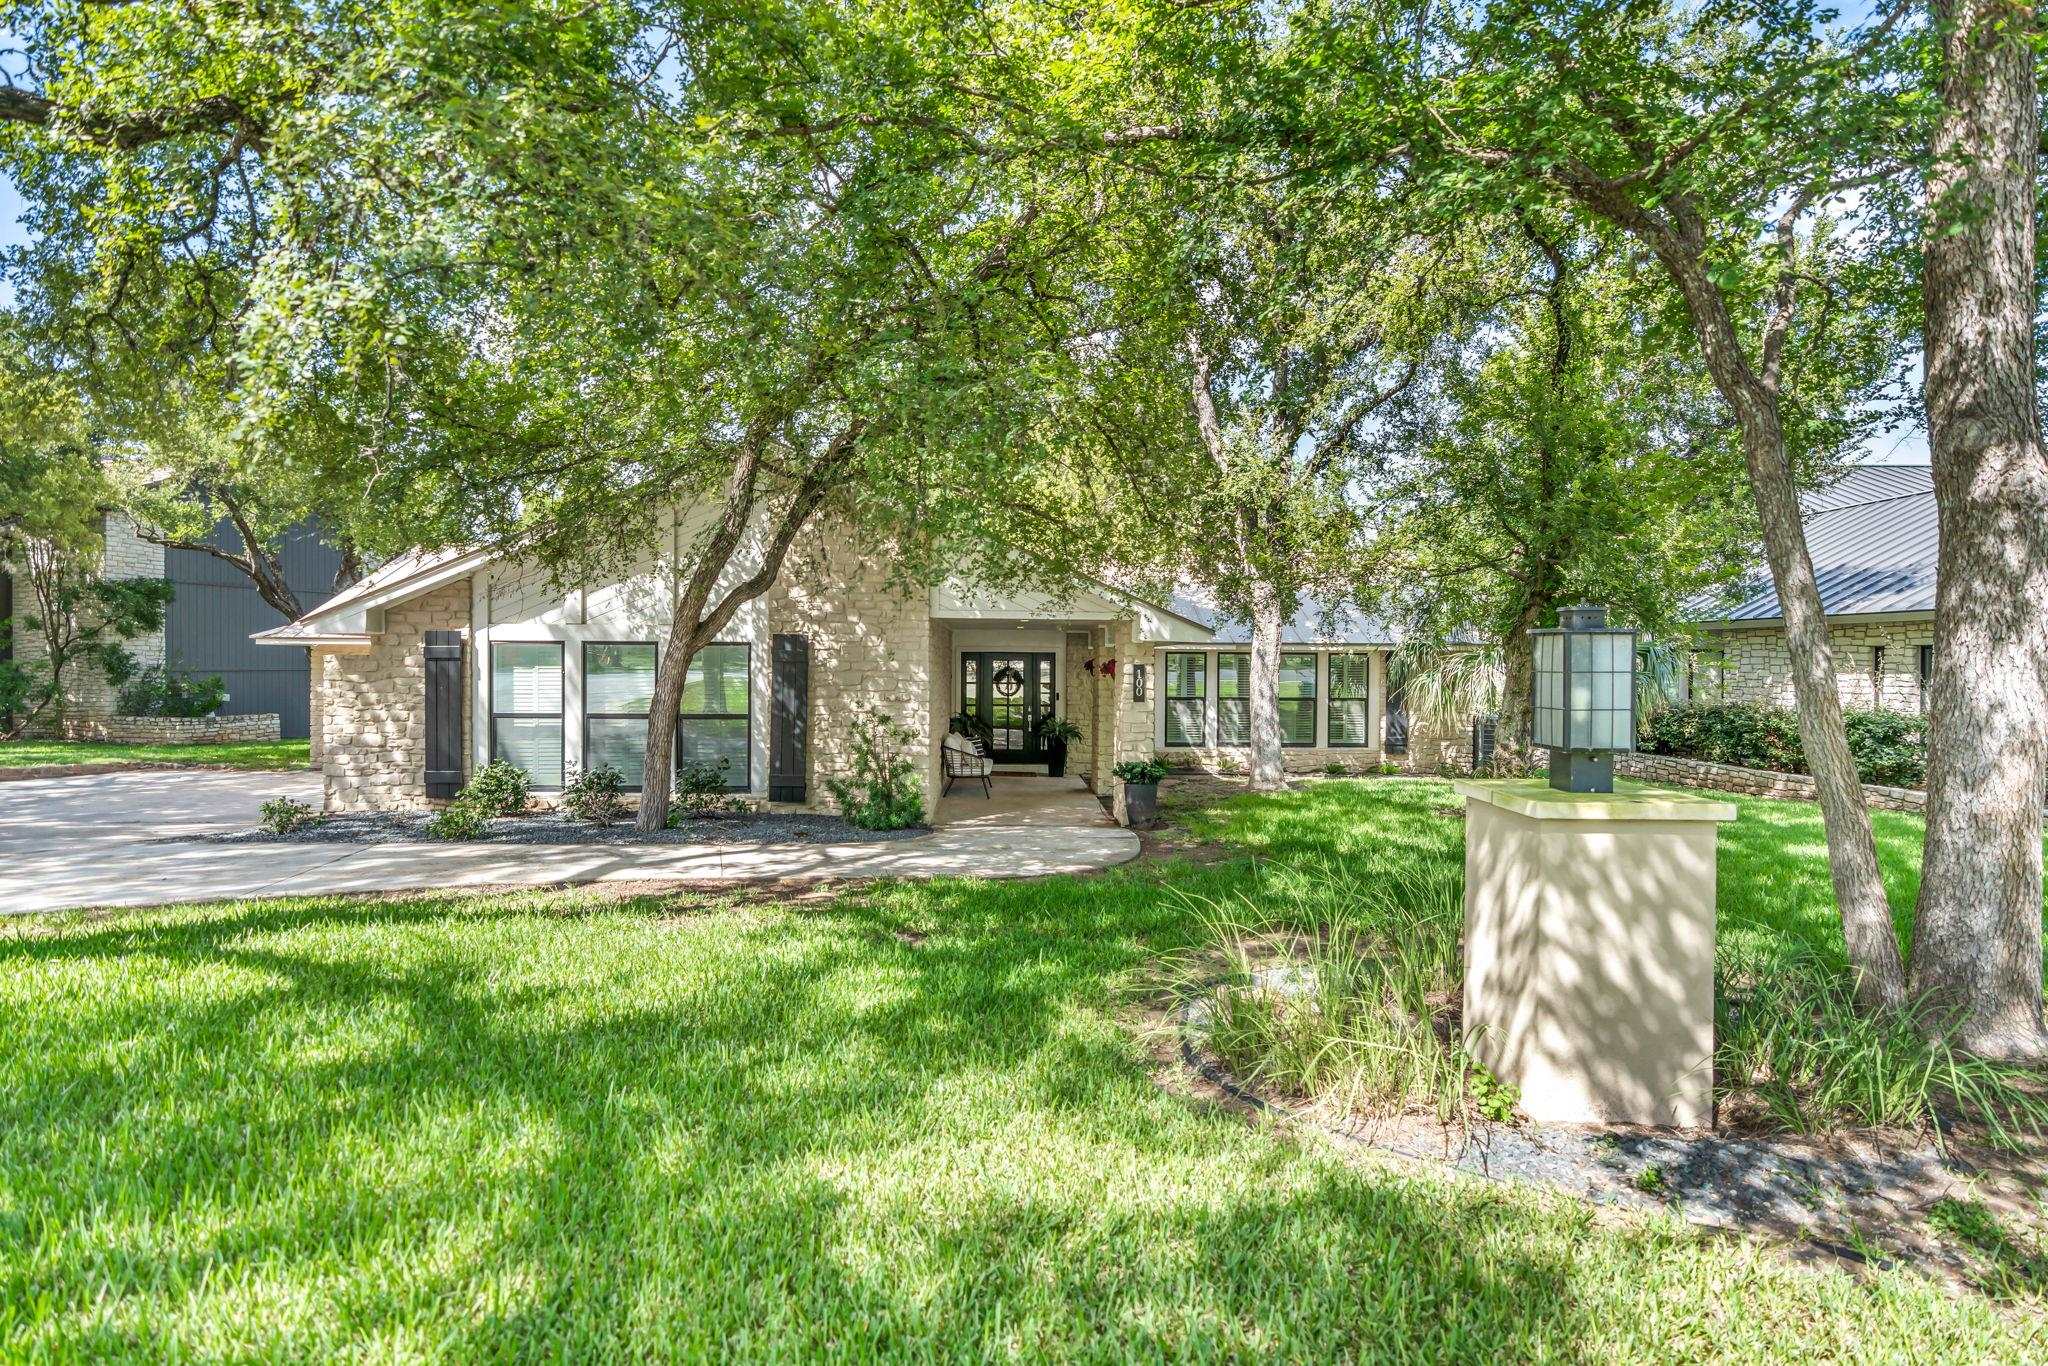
1872,502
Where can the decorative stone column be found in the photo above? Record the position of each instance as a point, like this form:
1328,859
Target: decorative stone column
1589,948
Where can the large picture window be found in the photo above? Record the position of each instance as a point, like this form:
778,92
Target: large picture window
1233,699
1350,701
1187,694
1298,700
716,725
618,692
526,709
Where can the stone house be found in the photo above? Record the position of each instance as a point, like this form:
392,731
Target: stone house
206,632
1873,538
440,662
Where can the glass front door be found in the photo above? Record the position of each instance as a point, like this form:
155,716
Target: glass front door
1008,697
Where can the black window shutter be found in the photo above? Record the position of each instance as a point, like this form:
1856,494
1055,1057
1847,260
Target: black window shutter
444,713
789,718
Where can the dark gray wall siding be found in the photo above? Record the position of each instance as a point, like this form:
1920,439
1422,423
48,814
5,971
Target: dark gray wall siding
207,629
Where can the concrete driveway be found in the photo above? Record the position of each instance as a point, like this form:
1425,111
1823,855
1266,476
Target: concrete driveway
127,839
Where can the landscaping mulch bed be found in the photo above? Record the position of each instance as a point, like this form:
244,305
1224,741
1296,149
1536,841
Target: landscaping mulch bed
555,828
1860,1198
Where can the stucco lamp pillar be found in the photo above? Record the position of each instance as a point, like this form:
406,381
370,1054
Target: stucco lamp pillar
1589,909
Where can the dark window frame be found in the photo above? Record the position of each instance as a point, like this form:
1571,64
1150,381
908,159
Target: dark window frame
1315,687
1167,698
1243,703
560,715
676,758
589,715
1330,702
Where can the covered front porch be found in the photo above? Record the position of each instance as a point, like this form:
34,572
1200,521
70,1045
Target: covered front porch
1007,666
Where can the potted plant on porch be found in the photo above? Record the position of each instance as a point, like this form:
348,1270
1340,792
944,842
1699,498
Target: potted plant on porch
1141,789
1053,737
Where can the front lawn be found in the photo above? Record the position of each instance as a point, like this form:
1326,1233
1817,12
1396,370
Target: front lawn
249,754
914,1121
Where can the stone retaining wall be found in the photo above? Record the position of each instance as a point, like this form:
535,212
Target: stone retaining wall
173,730
1753,782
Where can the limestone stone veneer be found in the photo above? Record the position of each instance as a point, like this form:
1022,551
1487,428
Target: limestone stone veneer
1589,949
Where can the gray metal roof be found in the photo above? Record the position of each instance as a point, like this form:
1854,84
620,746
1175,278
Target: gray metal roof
1316,623
1872,536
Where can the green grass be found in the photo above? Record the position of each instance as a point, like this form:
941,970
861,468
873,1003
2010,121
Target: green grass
250,754
1367,882
918,1121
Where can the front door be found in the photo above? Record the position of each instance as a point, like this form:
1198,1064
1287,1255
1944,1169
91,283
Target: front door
1008,696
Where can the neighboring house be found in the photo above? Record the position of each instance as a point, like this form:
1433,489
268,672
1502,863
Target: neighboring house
441,662
206,629
1873,538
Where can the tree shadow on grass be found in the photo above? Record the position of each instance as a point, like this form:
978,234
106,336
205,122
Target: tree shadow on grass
479,1126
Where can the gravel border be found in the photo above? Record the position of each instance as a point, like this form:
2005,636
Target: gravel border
555,828
1856,1199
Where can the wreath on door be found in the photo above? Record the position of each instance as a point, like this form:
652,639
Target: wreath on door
1008,681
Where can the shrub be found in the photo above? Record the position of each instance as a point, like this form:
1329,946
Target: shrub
593,797
1745,734
883,792
461,819
154,691
701,791
1140,771
282,815
498,789
1888,747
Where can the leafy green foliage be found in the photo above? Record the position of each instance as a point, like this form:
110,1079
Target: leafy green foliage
1140,771
702,789
881,789
1747,734
1889,747
283,815
461,819
155,691
594,796
499,788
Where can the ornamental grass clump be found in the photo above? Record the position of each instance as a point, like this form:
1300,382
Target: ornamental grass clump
1336,984
1795,1043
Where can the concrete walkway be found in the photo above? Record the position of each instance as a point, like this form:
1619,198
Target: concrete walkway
125,839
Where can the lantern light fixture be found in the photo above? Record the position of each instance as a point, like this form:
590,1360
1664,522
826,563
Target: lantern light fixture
1584,704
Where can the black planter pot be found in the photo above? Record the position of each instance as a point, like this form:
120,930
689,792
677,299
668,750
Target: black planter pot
1056,758
1141,803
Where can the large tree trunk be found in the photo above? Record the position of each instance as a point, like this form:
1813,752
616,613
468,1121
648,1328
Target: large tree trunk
692,626
1513,747
1977,938
1867,930
1269,772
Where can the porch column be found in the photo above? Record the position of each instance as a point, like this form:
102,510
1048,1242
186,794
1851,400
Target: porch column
1132,724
